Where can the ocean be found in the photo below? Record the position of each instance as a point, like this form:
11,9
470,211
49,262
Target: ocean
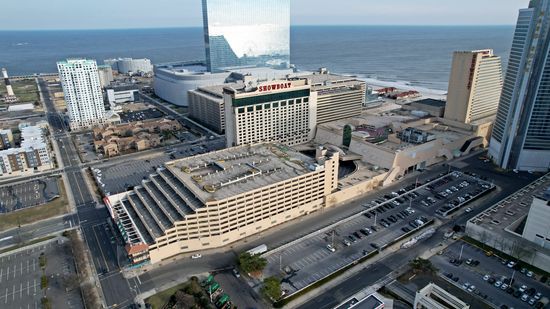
409,55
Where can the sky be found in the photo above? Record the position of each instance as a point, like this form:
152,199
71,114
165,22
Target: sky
107,14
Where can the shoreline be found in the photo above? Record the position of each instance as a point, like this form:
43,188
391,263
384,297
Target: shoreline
372,82
425,92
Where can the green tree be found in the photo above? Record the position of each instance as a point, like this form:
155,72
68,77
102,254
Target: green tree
251,263
272,288
44,282
347,136
42,260
421,265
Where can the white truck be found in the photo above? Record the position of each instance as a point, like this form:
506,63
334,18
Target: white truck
258,250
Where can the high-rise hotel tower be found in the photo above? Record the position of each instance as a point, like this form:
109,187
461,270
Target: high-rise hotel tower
82,89
521,134
474,86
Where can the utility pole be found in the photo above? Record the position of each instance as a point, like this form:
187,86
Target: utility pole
375,217
281,262
332,241
461,249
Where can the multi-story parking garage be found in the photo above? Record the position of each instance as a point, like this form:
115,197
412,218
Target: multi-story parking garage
214,199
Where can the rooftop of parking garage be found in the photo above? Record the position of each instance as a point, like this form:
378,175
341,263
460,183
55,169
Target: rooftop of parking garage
509,211
364,172
229,172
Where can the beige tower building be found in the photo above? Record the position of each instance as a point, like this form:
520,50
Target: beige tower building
475,86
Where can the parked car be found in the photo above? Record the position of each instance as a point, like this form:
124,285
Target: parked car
523,288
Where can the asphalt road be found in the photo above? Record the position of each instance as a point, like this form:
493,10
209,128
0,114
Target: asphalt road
37,230
115,287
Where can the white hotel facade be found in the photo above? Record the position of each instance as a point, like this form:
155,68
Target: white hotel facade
83,95
280,111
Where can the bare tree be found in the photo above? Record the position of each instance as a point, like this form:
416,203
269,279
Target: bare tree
184,300
71,281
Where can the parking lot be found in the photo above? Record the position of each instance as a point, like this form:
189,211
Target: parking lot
20,278
85,145
490,277
241,295
29,194
132,116
387,217
118,176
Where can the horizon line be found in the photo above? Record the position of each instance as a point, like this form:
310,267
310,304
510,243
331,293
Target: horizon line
296,25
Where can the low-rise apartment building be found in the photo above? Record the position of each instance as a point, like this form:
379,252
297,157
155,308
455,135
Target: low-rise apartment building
32,156
112,140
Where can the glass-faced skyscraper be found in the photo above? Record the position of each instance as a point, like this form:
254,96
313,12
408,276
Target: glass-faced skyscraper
241,33
521,133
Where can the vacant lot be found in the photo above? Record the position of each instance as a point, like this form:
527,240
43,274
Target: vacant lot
160,299
25,90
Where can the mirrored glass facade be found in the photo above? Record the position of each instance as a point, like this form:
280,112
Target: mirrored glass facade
242,33
521,132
